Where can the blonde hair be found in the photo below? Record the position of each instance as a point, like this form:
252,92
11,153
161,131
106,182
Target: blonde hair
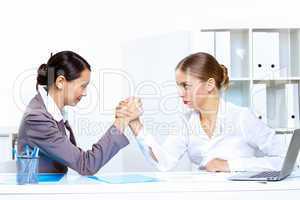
204,66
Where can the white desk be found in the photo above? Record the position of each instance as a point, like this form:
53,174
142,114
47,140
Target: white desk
174,185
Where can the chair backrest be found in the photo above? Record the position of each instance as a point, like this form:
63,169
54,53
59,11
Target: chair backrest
8,167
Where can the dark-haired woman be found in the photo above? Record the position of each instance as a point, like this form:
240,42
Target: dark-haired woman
61,82
216,135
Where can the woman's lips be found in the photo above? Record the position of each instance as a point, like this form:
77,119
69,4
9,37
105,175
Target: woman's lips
186,102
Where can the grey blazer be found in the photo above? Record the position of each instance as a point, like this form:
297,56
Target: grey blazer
57,151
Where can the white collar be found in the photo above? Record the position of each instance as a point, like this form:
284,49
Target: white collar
51,105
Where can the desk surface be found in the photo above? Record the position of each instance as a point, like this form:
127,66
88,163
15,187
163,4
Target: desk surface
173,185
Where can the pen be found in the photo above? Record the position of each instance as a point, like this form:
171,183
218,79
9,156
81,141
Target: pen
37,152
27,150
33,152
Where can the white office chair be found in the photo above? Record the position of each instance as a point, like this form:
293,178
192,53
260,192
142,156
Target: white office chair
8,167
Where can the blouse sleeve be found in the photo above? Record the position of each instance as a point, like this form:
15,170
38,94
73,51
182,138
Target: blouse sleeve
169,153
261,137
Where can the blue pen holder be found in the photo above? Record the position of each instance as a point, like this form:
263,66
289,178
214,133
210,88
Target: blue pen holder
27,170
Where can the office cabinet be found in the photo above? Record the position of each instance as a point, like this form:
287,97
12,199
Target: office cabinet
264,71
292,91
259,101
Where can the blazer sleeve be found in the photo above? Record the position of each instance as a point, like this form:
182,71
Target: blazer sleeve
44,133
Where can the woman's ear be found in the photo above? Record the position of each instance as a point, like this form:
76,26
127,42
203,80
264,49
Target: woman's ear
211,84
60,82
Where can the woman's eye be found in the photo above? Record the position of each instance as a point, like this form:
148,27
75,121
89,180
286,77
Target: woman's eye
186,86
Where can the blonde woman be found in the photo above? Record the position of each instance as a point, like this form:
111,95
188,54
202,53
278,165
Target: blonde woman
216,135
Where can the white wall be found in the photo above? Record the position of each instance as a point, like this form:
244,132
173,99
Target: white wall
31,29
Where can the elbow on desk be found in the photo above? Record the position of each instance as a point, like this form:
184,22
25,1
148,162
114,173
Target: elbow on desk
86,172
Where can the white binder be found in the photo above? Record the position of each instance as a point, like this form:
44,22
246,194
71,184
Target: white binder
285,56
223,49
259,101
265,55
239,53
292,103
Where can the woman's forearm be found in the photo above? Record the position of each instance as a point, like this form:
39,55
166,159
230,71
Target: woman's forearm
136,126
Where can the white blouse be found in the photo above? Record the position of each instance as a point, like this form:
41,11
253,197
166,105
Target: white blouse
239,137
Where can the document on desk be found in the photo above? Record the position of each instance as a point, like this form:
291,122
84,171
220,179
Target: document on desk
123,179
47,177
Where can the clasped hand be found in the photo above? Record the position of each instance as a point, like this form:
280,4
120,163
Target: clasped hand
129,109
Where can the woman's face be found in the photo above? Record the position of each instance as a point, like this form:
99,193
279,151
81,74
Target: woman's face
193,91
76,89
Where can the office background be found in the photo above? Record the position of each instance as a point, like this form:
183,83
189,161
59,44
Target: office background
133,47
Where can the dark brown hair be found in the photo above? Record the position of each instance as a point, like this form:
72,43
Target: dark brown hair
204,66
65,63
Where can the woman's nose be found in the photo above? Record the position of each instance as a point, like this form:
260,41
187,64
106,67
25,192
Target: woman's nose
181,92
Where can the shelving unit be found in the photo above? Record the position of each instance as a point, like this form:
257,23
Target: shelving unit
264,71
7,136
237,91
